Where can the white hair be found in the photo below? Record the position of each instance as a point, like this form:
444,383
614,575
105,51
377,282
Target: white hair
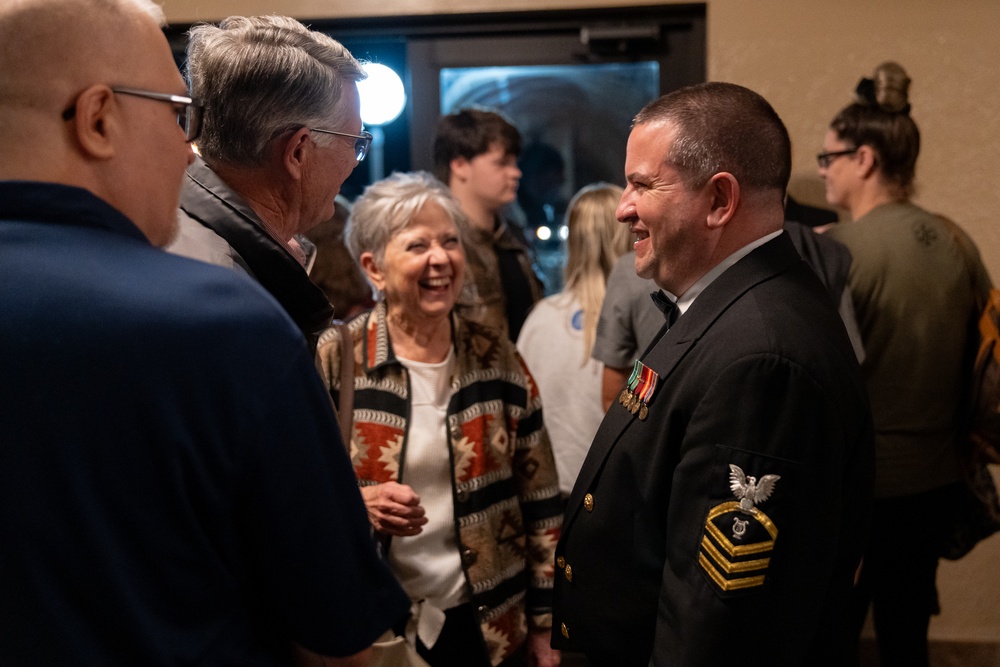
386,207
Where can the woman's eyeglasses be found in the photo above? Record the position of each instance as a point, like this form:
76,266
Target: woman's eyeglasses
824,159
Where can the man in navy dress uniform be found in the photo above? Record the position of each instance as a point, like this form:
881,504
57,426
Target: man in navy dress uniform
722,510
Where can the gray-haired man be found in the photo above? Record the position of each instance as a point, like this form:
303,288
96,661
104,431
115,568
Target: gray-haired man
282,131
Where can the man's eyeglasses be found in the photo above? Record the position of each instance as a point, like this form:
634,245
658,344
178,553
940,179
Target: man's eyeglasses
189,110
362,142
824,159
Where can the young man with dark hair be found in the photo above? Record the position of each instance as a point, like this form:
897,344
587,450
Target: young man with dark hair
475,155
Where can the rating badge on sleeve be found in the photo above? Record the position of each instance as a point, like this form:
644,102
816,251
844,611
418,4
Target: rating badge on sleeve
739,538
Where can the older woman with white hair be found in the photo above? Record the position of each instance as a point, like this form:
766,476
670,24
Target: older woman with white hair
446,437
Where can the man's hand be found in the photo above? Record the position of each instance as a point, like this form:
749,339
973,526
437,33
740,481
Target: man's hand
394,509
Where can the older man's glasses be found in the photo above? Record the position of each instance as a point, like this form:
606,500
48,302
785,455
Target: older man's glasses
824,159
189,110
362,142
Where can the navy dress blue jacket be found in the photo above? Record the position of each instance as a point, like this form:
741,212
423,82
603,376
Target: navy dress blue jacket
663,561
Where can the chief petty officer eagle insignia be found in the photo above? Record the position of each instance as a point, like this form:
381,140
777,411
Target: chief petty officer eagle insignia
748,490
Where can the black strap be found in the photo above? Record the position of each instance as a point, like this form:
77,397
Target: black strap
346,407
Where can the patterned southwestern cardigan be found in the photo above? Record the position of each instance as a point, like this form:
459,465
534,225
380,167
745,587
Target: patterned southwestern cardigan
507,507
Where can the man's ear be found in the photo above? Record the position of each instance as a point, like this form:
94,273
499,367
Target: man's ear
368,265
723,191
96,122
459,167
295,151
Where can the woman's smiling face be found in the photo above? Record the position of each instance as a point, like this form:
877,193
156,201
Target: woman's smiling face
423,267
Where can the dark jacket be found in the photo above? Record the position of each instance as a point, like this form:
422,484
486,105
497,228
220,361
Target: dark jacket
660,561
206,199
502,284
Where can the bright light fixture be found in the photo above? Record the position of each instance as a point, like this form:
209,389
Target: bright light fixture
382,95
544,233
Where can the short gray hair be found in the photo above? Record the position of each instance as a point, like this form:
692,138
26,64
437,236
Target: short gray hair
261,76
386,207
154,10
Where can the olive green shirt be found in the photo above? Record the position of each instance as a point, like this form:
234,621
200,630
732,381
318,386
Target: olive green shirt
914,297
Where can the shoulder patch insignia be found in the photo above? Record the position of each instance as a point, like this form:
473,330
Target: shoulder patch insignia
741,562
738,539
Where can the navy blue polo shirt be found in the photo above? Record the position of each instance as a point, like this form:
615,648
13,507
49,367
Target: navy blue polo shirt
173,486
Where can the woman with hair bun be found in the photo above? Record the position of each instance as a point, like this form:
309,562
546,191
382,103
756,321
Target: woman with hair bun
870,151
558,335
915,281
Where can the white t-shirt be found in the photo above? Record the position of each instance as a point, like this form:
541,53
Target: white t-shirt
551,343
429,565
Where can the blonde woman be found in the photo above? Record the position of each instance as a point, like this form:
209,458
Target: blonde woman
558,335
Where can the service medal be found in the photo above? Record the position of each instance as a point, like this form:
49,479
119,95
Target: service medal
641,386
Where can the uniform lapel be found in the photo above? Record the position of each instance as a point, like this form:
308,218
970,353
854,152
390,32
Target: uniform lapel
662,356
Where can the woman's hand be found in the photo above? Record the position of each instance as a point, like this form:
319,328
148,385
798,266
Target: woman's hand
394,509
